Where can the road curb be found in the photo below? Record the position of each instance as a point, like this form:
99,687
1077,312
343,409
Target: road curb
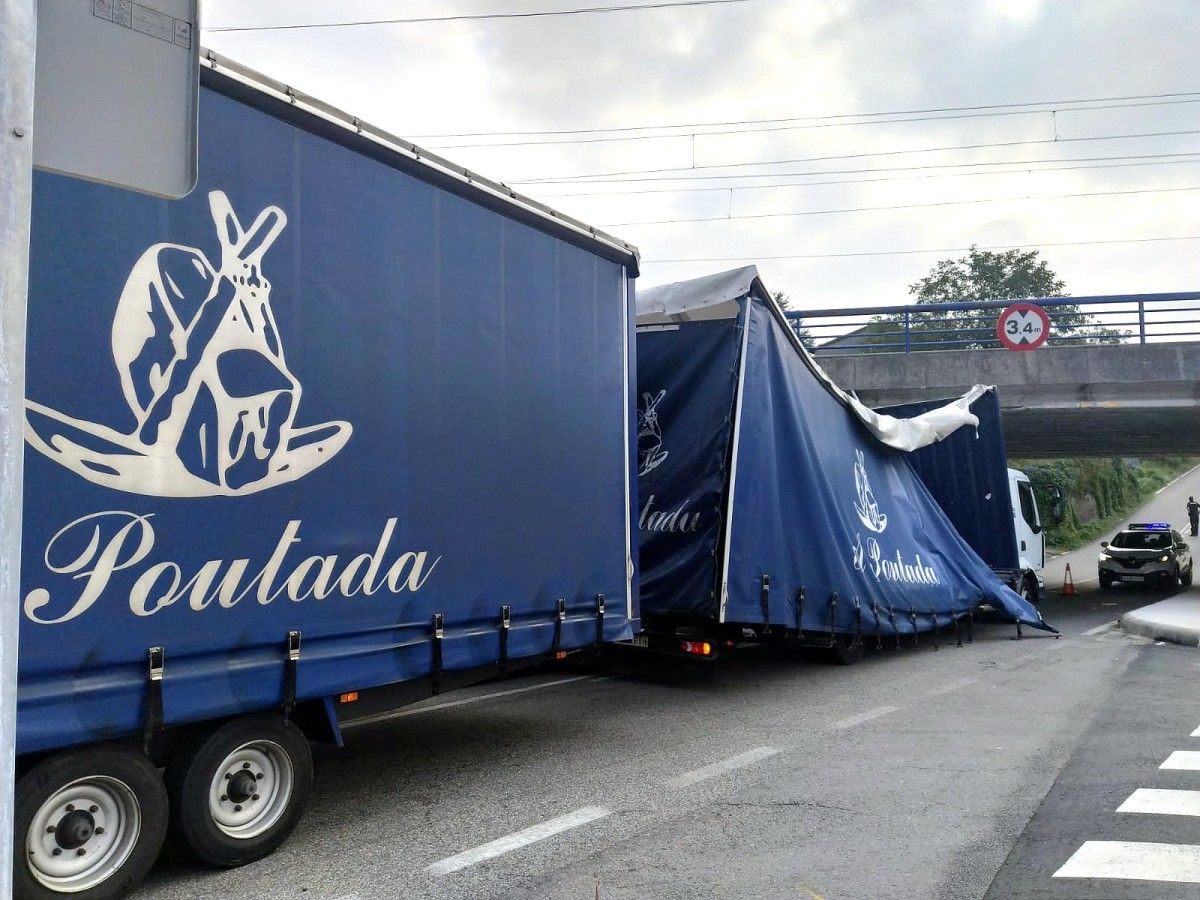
1176,620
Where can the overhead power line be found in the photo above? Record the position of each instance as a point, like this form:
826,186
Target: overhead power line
825,118
917,251
689,135
858,209
662,174
536,14
1133,161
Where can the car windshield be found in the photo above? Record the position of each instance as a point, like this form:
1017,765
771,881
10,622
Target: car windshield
1142,540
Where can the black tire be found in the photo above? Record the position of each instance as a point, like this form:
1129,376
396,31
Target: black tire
1029,590
847,649
273,745
1186,579
129,780
1106,581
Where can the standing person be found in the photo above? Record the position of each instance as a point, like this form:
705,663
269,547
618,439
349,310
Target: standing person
1193,509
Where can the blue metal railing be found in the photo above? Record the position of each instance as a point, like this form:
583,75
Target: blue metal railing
1074,321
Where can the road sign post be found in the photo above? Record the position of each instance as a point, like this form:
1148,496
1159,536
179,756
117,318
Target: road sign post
18,29
1023,326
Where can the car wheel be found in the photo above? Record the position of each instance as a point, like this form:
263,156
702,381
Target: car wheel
1185,578
1106,581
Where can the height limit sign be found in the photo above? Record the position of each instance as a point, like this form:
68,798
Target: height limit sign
1023,326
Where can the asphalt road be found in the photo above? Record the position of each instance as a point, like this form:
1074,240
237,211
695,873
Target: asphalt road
912,774
956,773
1168,505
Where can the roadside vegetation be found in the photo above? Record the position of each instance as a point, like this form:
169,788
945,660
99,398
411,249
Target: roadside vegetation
1083,499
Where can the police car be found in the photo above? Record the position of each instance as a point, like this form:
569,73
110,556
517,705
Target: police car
1146,552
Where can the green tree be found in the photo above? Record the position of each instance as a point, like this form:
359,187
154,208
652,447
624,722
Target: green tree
986,275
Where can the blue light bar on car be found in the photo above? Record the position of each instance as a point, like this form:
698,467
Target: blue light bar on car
1149,526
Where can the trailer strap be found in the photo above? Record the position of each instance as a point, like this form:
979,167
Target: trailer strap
439,632
800,611
291,662
505,624
764,600
560,615
599,621
153,715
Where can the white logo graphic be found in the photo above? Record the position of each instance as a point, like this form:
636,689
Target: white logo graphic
649,436
870,557
865,506
203,372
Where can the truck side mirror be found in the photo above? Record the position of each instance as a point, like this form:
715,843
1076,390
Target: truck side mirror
1104,545
1036,529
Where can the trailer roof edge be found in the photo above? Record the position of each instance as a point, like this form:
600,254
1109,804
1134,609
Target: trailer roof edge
495,190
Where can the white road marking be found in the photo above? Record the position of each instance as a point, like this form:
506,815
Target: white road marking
864,717
1162,802
1195,733
403,713
1098,629
518,839
1187,760
1135,861
687,779
950,686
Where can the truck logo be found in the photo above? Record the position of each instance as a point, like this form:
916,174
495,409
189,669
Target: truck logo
649,436
870,557
203,371
866,507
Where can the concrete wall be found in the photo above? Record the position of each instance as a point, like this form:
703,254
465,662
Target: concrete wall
1128,399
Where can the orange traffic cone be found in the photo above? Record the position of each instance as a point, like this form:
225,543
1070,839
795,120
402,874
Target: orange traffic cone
1068,588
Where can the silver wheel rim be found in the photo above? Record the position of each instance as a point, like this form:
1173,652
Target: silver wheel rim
82,834
251,789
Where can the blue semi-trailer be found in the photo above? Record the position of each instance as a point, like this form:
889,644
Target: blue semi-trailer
346,426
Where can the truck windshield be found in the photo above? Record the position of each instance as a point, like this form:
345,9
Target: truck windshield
1142,540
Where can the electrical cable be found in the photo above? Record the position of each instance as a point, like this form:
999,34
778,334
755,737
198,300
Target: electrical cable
230,29
914,251
686,135
896,112
616,177
1151,160
858,209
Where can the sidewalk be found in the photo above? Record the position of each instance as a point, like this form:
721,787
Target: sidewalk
1176,619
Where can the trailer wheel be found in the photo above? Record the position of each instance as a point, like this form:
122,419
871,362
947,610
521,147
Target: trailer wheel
87,824
847,649
1029,590
237,792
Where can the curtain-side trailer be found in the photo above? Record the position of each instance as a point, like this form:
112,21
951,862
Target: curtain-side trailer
773,504
346,422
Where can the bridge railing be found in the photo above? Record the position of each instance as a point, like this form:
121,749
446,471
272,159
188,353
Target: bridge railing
1074,321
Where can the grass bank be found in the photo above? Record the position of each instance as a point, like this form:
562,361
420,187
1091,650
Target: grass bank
1112,487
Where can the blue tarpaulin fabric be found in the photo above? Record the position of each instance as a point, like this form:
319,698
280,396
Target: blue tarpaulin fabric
681,483
820,506
967,473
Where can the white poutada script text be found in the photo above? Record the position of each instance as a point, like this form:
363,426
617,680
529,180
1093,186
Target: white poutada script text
115,541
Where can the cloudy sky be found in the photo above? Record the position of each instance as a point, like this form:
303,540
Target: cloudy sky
734,113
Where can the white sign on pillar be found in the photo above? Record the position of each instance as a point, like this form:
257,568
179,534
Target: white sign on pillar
116,96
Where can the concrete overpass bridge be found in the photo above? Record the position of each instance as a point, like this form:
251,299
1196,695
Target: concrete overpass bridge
1119,376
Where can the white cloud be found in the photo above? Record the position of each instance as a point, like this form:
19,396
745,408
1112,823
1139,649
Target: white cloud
778,59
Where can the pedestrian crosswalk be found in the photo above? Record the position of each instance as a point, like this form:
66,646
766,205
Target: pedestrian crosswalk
1147,860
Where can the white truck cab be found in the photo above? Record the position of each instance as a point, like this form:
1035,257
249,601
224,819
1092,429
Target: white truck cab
1031,539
